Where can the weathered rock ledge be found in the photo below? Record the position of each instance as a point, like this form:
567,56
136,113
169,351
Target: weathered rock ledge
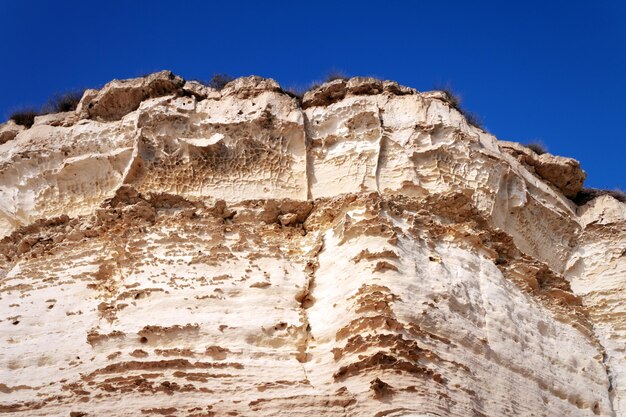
172,249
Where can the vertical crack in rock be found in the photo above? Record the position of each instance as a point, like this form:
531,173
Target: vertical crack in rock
136,164
306,300
609,375
309,168
381,143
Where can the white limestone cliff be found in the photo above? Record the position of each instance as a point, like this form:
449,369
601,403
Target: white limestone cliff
171,249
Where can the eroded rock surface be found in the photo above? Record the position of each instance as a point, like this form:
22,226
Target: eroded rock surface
563,173
120,97
171,249
9,130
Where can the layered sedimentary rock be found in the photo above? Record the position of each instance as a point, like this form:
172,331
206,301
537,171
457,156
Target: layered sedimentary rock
171,249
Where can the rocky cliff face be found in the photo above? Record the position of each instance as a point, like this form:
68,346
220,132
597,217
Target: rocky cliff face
170,249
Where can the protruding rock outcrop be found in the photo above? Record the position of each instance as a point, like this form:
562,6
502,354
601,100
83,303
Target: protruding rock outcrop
172,249
9,130
120,97
563,173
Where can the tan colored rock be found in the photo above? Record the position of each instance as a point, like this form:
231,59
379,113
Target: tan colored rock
201,252
120,97
336,90
564,173
325,94
9,130
288,219
249,87
200,91
57,119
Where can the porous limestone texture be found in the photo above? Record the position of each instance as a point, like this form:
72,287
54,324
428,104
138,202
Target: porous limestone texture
171,249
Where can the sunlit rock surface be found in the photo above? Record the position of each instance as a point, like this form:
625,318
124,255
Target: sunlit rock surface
171,249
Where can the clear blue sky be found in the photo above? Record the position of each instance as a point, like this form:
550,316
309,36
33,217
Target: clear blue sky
550,71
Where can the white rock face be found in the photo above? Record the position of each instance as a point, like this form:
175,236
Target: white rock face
597,272
171,249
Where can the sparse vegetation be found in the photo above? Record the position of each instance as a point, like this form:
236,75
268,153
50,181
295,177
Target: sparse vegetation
219,81
25,117
58,103
587,194
537,147
299,91
296,92
335,75
472,118
63,102
455,101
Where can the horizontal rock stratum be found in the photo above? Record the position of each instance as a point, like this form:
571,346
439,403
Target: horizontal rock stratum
171,249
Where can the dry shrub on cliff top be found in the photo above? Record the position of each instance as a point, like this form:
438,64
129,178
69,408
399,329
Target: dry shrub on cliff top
25,117
335,75
473,118
587,194
296,92
455,101
537,147
219,81
63,102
